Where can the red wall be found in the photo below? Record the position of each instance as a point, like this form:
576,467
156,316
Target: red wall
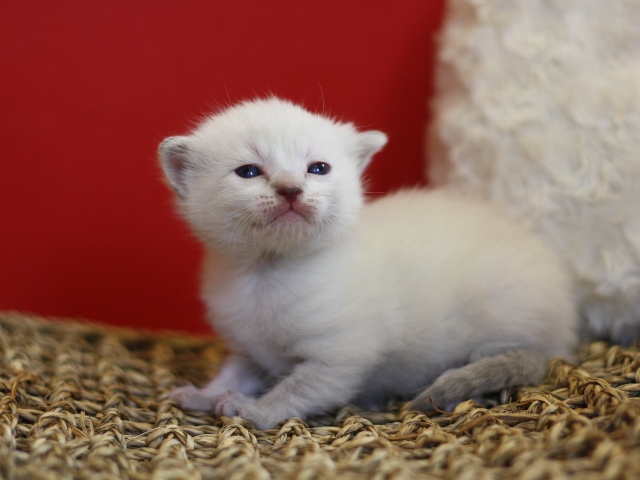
88,89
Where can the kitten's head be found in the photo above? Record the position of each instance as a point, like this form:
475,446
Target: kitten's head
268,178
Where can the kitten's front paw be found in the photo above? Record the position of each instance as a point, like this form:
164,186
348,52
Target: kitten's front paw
230,403
191,398
237,404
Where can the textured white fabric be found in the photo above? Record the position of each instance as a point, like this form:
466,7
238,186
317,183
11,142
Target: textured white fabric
538,109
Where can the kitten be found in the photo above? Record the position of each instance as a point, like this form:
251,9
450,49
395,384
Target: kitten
323,300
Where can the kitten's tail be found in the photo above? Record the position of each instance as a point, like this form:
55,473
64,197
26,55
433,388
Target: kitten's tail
509,369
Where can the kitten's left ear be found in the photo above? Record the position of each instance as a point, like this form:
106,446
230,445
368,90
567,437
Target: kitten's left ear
368,144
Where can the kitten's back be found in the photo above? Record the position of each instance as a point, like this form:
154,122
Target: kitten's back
470,266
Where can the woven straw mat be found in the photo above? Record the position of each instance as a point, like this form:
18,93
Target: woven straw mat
80,400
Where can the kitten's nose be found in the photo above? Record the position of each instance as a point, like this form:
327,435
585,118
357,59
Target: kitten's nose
290,193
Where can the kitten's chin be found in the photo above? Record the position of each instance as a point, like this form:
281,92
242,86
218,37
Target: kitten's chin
284,232
287,235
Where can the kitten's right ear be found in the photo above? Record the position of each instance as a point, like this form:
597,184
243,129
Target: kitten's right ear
175,158
368,144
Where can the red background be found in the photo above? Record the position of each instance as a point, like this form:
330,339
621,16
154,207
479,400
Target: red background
88,90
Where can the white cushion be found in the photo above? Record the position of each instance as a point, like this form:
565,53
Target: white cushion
537,108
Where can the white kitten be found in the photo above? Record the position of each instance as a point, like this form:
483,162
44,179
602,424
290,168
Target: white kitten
323,301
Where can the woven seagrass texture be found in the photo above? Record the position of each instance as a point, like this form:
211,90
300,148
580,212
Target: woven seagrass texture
79,400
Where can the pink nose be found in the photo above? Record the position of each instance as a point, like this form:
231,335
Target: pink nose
290,193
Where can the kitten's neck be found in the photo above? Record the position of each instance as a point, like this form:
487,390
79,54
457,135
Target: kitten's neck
250,259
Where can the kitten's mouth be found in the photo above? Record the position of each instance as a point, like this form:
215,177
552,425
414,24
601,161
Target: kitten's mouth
290,212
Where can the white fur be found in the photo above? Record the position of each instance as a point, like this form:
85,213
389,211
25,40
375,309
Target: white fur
343,303
537,108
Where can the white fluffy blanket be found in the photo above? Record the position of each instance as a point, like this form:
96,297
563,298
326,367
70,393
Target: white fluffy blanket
538,108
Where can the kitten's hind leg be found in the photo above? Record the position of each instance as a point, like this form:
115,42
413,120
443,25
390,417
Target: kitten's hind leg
509,369
237,374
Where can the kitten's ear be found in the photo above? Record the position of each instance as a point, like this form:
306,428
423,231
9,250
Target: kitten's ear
368,144
174,154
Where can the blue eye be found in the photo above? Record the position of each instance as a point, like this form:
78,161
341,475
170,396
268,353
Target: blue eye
320,168
248,171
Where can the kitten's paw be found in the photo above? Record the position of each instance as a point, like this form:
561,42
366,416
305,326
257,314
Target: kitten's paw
442,394
191,398
429,401
230,403
237,404
260,417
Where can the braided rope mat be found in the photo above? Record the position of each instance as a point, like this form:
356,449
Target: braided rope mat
80,400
